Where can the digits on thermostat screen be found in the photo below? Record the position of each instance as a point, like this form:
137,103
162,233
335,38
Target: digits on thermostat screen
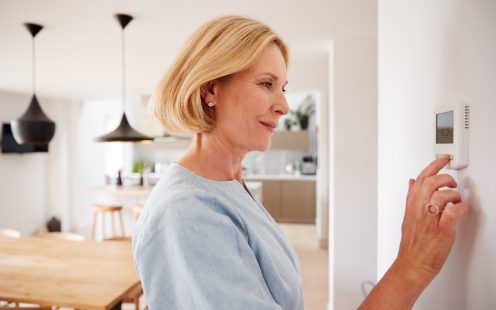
444,127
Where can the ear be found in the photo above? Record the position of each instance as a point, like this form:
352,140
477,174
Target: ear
208,91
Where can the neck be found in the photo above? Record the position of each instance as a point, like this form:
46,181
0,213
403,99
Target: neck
213,157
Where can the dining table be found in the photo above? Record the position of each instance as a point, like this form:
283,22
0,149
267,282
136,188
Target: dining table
63,273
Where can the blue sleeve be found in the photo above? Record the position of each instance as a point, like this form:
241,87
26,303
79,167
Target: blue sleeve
195,256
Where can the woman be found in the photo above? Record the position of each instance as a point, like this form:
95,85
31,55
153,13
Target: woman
202,241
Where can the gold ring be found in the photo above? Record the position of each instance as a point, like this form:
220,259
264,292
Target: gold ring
433,209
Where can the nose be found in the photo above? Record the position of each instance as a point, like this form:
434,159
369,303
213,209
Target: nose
281,104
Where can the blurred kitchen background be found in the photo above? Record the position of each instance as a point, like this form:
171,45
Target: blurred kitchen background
375,71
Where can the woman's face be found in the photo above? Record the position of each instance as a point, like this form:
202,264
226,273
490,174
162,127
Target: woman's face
251,102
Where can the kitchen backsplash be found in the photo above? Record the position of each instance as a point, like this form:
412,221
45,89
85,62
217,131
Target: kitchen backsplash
270,162
273,162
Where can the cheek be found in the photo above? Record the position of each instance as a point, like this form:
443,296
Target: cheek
243,109
255,104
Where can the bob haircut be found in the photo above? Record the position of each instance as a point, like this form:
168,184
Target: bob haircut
218,49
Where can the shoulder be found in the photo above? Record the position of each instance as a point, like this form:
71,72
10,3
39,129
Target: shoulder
175,199
178,203
177,188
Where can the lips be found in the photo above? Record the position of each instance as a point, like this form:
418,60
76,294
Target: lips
269,125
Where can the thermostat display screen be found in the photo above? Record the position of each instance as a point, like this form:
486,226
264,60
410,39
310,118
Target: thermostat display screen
444,127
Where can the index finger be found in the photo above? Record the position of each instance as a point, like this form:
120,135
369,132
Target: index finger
434,167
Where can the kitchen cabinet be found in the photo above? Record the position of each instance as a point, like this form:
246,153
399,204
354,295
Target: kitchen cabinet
290,201
297,203
271,193
291,140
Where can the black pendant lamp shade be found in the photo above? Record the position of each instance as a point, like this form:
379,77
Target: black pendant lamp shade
124,132
33,127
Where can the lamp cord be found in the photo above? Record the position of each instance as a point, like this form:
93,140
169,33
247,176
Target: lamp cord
123,73
34,66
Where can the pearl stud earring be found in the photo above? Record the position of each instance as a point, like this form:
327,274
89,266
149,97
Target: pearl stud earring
210,104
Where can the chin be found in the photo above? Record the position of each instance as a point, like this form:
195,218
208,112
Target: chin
262,147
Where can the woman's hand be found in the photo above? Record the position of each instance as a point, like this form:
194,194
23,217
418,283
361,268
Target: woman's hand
431,214
428,233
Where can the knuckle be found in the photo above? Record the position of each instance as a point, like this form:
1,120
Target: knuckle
448,179
451,180
450,195
453,196
429,183
445,175
436,197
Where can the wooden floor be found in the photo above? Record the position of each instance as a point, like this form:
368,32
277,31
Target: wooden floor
313,264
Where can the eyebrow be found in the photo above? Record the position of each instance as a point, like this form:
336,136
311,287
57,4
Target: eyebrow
274,77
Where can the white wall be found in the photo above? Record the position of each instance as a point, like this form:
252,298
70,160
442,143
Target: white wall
353,113
36,186
27,180
431,53
95,118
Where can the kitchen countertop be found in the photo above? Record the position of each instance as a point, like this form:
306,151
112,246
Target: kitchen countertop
144,191
280,177
122,190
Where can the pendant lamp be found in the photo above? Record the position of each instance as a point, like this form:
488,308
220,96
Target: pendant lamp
33,127
124,132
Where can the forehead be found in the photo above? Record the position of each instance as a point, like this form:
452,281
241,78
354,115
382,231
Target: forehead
270,61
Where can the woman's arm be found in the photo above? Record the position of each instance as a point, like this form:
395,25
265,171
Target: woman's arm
427,239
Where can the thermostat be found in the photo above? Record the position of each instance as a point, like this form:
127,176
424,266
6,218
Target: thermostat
452,124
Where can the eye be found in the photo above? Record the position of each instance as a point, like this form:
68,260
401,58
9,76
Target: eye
267,85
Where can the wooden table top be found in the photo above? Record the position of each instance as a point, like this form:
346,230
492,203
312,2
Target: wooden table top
85,275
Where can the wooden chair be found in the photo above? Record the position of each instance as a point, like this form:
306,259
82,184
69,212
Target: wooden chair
63,236
9,233
133,296
104,209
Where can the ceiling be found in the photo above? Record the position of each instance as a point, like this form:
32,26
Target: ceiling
78,54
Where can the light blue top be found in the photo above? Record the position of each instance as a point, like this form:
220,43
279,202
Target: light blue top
204,244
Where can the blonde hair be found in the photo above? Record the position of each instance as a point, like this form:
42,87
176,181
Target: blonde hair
218,49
